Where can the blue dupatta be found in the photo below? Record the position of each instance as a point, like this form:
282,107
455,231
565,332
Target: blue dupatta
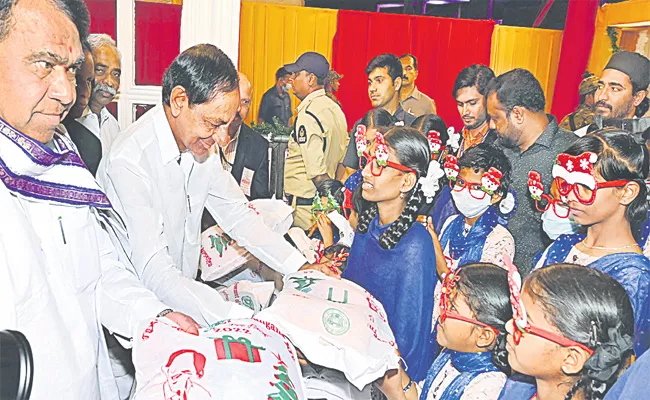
470,365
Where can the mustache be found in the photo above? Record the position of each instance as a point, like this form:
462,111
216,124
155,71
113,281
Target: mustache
602,103
105,88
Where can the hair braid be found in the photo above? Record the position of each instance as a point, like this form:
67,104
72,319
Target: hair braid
500,353
366,217
574,389
389,239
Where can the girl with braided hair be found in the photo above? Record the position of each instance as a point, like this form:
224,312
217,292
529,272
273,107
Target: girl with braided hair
601,179
571,333
392,257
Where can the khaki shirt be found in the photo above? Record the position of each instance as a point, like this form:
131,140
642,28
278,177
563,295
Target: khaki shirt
419,104
317,144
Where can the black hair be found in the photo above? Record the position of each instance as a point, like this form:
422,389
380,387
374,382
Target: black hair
203,71
412,150
431,122
483,156
415,60
335,250
281,73
334,188
75,10
518,88
485,287
377,118
643,107
359,204
591,308
389,61
475,75
619,157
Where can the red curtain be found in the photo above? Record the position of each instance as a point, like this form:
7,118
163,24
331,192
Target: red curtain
443,47
157,40
103,16
576,46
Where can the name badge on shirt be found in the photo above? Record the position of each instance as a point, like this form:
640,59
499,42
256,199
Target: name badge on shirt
246,181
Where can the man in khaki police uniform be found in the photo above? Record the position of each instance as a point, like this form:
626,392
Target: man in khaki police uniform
319,137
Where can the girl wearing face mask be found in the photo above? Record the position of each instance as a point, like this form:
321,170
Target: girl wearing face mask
392,257
473,312
478,181
555,214
571,333
600,178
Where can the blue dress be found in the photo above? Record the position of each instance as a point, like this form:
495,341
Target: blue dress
633,384
403,280
469,366
519,387
631,270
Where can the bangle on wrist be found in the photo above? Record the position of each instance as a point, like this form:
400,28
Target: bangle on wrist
408,386
164,313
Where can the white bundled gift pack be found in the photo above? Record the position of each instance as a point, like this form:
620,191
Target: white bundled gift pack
221,255
233,359
336,324
254,295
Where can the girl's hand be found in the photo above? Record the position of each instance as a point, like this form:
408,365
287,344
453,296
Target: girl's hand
325,229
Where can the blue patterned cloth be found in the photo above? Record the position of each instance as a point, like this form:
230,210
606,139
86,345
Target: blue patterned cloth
631,270
519,387
353,181
470,366
633,384
469,249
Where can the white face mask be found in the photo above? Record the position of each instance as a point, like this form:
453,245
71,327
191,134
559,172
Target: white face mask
555,226
287,87
468,205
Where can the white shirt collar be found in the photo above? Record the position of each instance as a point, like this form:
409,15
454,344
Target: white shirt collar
166,142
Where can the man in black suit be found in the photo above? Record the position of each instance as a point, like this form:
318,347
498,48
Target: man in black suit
88,145
244,153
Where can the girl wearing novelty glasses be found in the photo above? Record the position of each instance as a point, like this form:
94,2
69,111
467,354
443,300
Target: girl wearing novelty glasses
392,257
571,332
474,308
601,179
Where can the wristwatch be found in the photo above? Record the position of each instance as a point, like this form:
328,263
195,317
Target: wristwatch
164,313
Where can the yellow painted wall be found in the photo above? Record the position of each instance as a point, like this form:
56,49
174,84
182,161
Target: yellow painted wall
273,35
628,12
537,50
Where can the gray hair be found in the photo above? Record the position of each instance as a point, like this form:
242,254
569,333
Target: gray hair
76,10
97,40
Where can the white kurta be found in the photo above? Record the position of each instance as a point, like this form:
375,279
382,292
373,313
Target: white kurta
57,292
162,201
105,127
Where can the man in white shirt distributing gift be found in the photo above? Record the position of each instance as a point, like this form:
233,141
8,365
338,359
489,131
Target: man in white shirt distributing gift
161,174
61,277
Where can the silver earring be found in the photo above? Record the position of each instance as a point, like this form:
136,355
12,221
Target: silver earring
402,195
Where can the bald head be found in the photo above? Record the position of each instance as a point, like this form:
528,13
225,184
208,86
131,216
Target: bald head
245,97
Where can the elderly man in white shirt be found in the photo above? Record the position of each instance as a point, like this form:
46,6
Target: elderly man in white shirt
108,70
61,277
161,173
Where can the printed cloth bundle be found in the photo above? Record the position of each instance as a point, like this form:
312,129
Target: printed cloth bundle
233,359
335,324
221,255
253,295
